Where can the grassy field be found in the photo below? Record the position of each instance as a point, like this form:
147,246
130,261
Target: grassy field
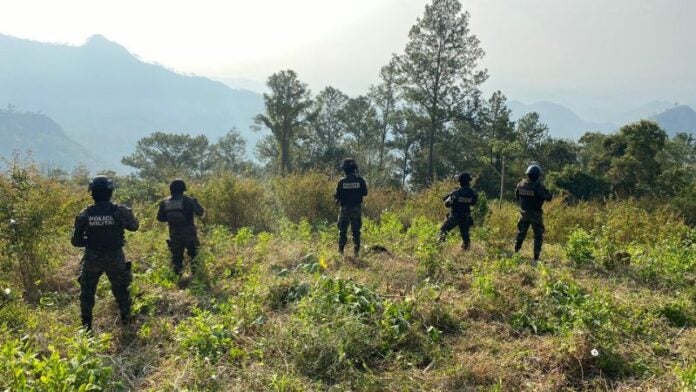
612,305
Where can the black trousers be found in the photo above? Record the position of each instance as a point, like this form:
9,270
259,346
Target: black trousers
94,264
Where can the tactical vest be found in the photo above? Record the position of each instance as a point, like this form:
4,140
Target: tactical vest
104,229
461,200
175,209
350,191
531,196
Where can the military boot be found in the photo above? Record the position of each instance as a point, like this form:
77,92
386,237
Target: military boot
87,323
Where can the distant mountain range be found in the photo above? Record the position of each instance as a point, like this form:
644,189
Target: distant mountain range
106,99
564,123
677,119
42,138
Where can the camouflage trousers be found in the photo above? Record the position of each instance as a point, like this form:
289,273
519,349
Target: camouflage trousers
349,216
536,220
463,221
180,240
118,271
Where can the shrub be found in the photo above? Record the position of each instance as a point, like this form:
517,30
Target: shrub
206,335
237,202
33,216
579,247
307,196
80,367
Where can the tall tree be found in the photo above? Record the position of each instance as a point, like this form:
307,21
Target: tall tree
228,152
404,142
321,144
531,132
359,119
385,97
439,68
497,131
162,155
287,110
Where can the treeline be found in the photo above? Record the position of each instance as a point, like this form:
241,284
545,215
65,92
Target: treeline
426,119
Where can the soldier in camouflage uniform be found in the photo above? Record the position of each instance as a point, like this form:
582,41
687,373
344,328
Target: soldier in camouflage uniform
350,191
531,195
100,229
460,201
178,211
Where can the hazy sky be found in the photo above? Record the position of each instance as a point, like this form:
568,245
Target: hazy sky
617,53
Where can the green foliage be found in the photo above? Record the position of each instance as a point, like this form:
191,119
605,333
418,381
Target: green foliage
236,202
287,110
579,247
33,213
80,366
280,309
450,75
207,335
164,156
307,196
687,375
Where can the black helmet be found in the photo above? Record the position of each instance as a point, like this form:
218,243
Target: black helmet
177,186
533,171
464,178
101,183
349,164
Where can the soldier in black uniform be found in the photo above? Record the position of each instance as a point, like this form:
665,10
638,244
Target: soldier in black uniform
100,229
531,194
178,211
349,194
460,201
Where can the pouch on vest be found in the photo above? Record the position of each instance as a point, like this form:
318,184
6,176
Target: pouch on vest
175,212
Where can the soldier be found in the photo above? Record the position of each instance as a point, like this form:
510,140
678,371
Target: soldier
349,194
460,201
178,211
100,229
531,194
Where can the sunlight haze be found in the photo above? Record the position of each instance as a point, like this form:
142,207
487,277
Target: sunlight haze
582,53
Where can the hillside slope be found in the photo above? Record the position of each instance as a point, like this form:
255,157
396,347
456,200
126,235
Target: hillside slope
611,306
40,135
677,119
103,95
562,122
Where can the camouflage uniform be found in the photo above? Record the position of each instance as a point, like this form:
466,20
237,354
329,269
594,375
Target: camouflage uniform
349,194
531,196
178,211
100,229
460,201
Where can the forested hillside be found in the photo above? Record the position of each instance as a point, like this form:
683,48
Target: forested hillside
23,132
103,95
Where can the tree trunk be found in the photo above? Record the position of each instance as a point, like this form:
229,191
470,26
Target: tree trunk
502,182
431,151
284,156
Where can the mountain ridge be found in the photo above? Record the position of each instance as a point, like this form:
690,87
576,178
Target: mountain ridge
102,94
43,138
